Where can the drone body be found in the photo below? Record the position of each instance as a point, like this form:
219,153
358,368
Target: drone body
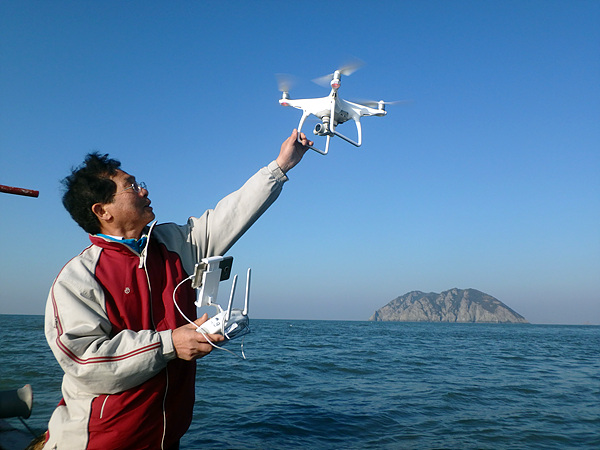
332,111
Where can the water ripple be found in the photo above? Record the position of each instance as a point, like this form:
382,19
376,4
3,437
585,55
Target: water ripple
371,385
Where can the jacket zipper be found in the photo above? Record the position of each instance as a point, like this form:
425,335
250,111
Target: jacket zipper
143,260
103,405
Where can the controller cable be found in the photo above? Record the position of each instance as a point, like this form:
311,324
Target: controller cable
243,356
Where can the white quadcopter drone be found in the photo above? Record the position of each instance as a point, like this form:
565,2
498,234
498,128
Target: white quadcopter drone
332,110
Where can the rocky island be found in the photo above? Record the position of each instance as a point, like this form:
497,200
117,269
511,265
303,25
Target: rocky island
454,305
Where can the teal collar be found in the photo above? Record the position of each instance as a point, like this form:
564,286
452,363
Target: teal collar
136,245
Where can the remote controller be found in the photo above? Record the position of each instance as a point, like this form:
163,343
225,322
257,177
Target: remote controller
230,323
236,326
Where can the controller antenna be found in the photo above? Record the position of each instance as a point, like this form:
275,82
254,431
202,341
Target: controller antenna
247,297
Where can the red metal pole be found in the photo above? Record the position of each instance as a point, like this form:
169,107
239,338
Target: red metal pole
19,191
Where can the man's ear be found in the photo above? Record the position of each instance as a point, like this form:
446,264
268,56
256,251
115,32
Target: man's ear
101,213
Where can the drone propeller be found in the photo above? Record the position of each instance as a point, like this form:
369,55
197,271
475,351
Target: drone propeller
351,66
285,81
347,69
379,103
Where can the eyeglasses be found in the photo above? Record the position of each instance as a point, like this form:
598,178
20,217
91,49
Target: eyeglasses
135,187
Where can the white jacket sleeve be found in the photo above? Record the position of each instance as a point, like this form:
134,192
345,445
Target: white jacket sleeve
215,232
233,215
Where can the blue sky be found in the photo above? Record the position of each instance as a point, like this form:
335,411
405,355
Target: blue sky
487,179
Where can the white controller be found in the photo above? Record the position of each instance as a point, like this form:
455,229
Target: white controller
230,323
234,327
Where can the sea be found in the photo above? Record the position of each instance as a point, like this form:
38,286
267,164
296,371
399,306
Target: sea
368,385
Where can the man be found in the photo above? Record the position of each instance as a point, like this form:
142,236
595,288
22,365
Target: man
127,353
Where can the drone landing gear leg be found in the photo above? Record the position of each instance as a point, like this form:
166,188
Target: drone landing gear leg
359,131
302,119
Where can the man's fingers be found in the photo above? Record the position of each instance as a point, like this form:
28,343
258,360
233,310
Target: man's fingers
200,320
303,139
212,337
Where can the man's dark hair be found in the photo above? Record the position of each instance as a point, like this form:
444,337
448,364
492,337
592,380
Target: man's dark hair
88,184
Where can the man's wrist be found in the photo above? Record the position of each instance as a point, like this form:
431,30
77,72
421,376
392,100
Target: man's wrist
277,171
168,349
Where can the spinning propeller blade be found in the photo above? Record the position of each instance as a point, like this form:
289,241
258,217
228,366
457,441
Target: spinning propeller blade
376,103
351,66
347,69
285,81
324,80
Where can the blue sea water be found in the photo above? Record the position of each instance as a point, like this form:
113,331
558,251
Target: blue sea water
370,385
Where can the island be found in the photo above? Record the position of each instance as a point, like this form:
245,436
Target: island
454,305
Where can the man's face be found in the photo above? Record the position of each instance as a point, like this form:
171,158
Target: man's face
131,210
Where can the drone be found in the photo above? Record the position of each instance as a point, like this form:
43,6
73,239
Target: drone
332,110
